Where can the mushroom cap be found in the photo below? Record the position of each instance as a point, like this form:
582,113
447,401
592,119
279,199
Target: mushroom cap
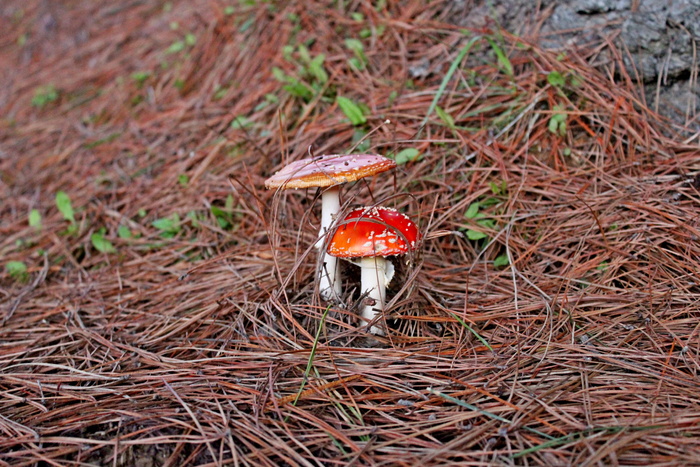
373,231
329,170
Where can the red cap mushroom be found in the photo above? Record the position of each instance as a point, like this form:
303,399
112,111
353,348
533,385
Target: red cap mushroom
371,234
328,172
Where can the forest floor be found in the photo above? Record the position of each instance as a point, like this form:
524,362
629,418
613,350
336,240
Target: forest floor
158,306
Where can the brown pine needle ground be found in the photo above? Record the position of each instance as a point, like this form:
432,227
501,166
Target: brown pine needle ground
556,322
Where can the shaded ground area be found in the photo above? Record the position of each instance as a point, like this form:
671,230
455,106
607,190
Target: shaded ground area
158,305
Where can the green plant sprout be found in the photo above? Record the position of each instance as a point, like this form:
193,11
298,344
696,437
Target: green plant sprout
312,74
124,232
225,217
44,95
65,207
359,61
35,219
17,270
557,122
473,213
169,226
100,243
352,110
406,155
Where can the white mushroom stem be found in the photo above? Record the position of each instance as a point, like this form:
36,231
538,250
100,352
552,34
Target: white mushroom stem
374,273
329,275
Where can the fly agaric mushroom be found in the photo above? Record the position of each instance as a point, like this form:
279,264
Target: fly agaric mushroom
371,234
328,172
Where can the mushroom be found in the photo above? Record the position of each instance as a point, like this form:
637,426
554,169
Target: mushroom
371,234
328,172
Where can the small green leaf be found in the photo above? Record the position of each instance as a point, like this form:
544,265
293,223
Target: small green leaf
288,52
298,89
164,223
140,76
64,206
562,128
304,53
35,219
190,39
575,80
557,123
222,217
445,117
316,68
169,226
490,201
356,63
487,223
100,243
556,79
351,110
229,10
501,261
219,93
247,24
407,155
472,210
183,180
177,46
279,74
72,229
475,235
194,218
241,122
356,47
498,190
44,95
17,270
124,232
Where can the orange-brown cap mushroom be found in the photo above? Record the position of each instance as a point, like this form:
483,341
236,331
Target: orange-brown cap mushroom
330,170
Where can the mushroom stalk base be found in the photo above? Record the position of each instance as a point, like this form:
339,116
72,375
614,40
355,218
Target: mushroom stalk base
373,276
329,274
329,278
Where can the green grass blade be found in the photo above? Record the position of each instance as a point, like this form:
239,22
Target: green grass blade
312,354
580,435
466,405
476,334
453,67
501,57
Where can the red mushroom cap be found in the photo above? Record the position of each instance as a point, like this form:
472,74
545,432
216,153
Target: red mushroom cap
373,231
329,170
